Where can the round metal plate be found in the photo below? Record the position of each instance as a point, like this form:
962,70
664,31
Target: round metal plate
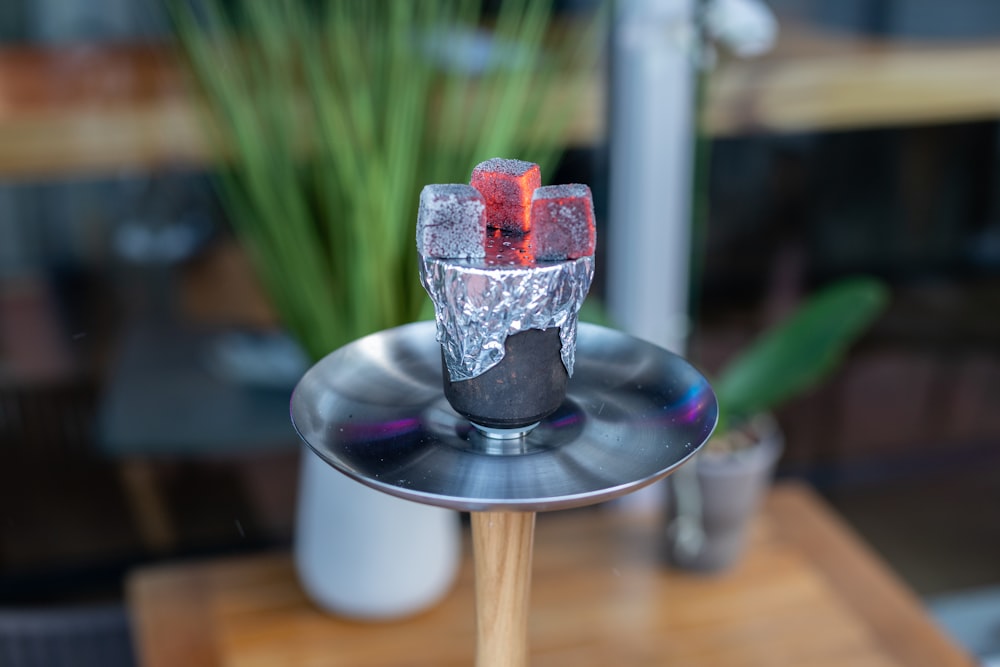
375,410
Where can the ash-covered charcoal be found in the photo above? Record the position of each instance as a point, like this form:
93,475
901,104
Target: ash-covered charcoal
451,222
562,222
507,187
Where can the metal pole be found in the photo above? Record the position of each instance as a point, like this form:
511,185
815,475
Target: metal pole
652,152
652,156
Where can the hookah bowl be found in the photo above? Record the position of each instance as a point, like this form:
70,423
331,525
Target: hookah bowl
519,409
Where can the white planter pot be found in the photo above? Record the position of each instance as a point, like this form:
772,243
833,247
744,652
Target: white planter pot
367,555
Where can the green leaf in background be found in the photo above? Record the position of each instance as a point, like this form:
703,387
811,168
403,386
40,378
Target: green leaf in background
800,351
330,116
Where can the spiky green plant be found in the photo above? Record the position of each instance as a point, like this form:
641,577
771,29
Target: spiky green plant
331,116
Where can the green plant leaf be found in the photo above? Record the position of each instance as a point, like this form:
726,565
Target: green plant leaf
800,351
331,115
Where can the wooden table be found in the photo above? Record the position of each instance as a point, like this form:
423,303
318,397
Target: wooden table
807,593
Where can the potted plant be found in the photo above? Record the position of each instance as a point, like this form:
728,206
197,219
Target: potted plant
712,500
329,118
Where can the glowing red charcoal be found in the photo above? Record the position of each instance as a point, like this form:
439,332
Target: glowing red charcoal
562,222
507,187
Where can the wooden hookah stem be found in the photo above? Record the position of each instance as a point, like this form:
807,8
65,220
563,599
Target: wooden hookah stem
502,544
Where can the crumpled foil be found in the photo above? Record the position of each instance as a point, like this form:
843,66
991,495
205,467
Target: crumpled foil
477,307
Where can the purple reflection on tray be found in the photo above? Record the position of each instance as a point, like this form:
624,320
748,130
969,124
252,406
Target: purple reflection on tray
371,431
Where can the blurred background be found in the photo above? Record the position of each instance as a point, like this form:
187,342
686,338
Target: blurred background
144,374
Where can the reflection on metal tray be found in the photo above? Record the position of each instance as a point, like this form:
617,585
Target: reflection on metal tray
375,410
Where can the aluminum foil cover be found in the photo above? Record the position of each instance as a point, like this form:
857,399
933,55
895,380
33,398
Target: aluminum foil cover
477,307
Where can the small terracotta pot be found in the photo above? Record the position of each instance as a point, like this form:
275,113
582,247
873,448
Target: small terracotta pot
712,500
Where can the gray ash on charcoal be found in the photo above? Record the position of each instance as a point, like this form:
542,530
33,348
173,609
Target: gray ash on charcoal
451,222
562,222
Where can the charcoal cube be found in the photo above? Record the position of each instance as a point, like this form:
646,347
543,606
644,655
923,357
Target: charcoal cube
562,222
451,222
507,186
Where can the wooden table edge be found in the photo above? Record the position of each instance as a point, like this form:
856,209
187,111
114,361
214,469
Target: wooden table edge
183,606
852,569
862,579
